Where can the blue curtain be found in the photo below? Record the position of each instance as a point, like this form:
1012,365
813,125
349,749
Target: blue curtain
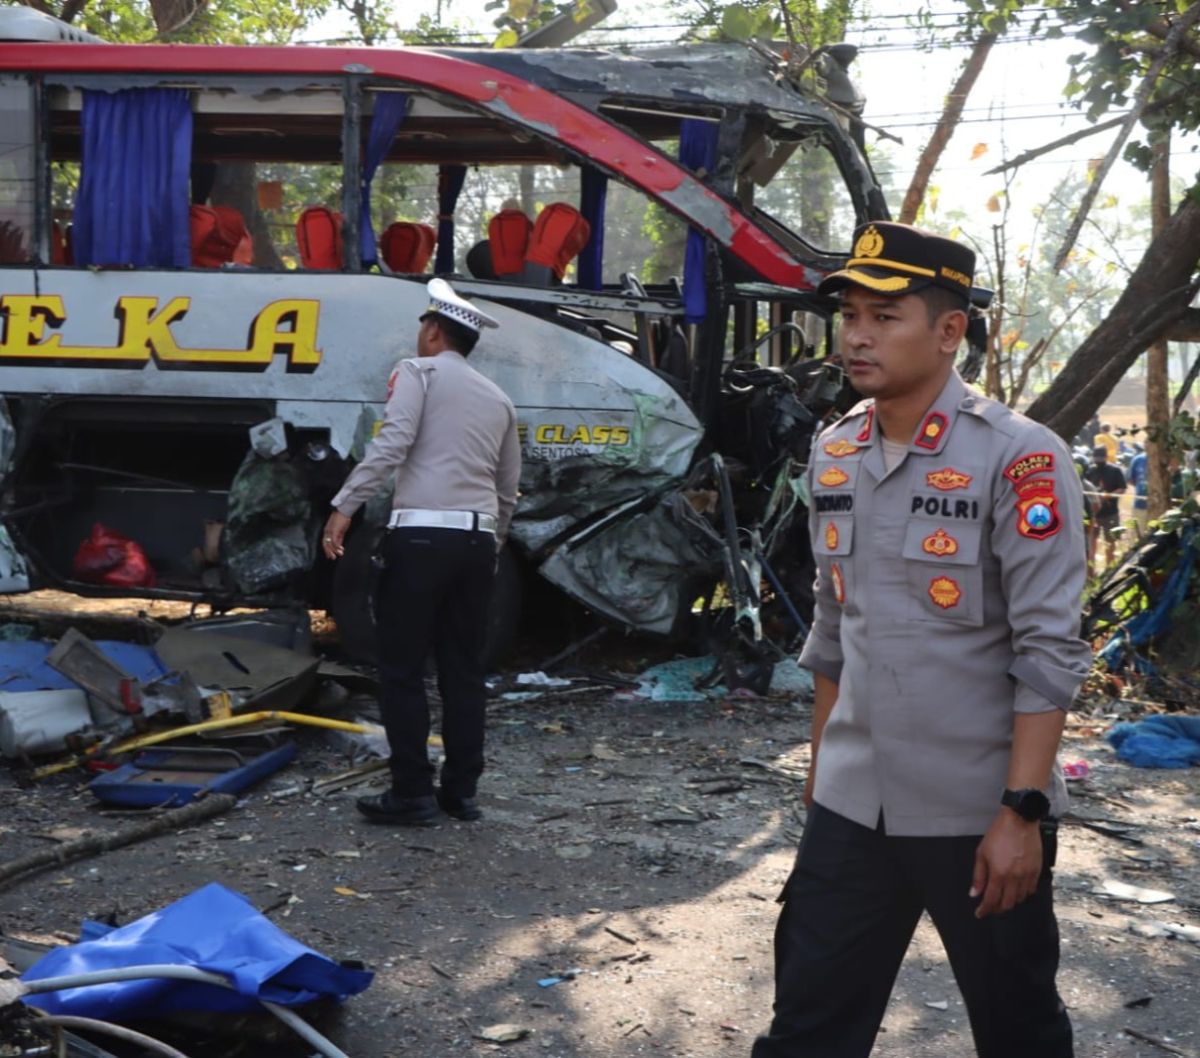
132,206
697,150
450,184
390,110
592,194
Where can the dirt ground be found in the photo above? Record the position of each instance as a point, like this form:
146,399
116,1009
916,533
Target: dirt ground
634,848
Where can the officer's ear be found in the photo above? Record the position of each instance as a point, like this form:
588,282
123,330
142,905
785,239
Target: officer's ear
950,328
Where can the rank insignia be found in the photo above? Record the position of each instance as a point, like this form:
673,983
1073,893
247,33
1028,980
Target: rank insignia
945,592
840,447
1037,509
831,536
839,584
931,430
864,434
940,543
1026,466
834,476
947,479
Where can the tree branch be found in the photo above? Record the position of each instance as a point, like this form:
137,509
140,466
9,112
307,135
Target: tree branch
946,125
1064,141
1186,388
1186,328
1139,104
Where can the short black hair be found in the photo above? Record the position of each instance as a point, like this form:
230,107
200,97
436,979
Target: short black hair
458,336
940,299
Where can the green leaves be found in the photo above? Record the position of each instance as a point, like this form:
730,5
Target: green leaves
741,23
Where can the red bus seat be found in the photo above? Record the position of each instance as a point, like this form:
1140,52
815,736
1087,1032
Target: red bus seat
219,237
406,246
231,227
508,237
559,233
319,238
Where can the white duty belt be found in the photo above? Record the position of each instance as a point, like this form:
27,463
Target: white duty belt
415,517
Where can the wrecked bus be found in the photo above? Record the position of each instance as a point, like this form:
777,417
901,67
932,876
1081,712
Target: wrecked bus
212,256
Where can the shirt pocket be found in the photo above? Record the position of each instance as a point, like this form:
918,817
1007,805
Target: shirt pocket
945,579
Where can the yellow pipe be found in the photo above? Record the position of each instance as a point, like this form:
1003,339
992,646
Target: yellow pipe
141,741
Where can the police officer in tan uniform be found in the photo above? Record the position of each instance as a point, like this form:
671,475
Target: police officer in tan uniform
449,436
945,650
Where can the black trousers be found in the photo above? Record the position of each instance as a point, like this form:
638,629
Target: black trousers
433,595
849,911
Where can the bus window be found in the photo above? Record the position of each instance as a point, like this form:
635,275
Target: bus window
17,170
269,155
803,190
244,163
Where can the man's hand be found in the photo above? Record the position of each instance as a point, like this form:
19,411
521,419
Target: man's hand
809,782
1008,863
333,540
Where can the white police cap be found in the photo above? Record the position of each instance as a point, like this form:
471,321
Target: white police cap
444,302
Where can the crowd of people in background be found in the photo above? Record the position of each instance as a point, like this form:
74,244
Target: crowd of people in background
1110,461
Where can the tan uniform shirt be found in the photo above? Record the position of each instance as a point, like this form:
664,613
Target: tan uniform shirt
450,437
948,598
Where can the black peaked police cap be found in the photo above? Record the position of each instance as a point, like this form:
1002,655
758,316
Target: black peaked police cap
896,259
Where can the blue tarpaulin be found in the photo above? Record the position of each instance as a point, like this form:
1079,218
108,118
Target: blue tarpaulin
23,665
213,929
1143,627
1158,741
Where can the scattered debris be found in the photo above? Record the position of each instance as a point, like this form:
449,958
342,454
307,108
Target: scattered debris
1154,1041
504,1033
178,776
1124,891
162,823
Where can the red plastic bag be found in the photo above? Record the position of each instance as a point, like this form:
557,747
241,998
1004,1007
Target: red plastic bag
107,557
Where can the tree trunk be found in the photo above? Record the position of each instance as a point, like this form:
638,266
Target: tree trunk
1158,294
1158,402
946,125
525,184
236,185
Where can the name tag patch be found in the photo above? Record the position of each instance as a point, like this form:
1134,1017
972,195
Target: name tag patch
839,502
945,592
944,507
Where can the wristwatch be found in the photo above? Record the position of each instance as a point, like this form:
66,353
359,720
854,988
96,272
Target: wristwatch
1031,805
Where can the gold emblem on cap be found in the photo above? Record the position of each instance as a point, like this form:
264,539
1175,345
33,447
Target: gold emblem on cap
870,243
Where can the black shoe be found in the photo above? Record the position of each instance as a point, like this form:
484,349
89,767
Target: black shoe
464,808
405,811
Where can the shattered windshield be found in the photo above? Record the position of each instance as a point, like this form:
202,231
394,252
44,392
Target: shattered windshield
802,189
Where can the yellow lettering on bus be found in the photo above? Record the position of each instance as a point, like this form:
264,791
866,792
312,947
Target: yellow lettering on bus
287,326
144,330
299,341
26,316
558,434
